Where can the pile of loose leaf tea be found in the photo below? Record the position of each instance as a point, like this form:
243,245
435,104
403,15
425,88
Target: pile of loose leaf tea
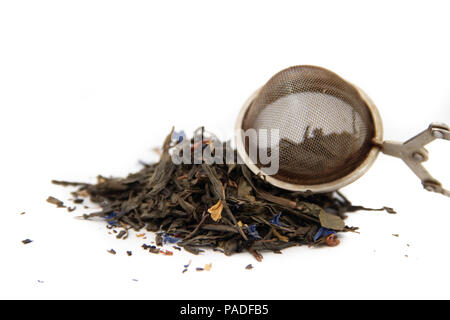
219,206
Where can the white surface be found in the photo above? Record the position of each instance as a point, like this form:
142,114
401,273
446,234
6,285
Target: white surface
88,87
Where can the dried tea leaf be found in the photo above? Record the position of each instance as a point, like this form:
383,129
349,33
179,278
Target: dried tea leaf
83,193
216,211
193,250
310,208
159,240
244,190
122,234
279,236
331,221
390,210
302,231
56,202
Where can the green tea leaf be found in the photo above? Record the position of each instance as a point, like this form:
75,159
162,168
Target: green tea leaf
331,221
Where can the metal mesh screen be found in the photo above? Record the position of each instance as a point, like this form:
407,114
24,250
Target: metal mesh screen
325,127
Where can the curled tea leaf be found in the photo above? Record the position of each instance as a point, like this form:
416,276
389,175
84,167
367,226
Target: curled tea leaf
279,236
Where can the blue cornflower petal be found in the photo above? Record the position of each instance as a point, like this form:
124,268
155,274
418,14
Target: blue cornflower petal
251,230
169,239
178,136
323,232
276,219
111,216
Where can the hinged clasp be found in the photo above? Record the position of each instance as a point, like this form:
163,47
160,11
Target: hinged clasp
413,153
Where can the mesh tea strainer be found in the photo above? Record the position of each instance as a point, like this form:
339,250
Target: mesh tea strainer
329,132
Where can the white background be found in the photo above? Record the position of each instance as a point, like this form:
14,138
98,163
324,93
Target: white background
89,87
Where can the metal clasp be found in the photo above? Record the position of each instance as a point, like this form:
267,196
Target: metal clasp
413,153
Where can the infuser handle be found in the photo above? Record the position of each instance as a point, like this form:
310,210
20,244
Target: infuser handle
413,153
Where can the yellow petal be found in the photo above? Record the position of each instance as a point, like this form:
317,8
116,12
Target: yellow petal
216,211
279,236
208,266
240,224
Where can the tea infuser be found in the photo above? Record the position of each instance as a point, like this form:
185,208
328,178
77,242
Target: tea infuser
329,132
